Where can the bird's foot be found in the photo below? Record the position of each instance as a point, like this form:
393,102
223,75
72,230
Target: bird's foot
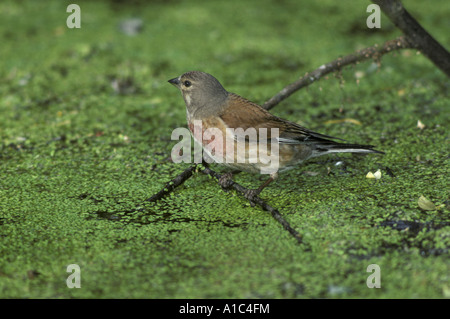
250,194
225,181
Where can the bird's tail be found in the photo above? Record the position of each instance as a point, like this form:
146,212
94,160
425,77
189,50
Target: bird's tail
333,147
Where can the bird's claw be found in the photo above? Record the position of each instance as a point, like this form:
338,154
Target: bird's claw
225,181
250,195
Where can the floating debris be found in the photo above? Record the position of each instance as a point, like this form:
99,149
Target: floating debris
346,120
376,175
420,125
425,204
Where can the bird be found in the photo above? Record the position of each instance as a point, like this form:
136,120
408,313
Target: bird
210,106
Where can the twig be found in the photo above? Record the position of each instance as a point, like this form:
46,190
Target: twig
415,34
174,183
373,52
416,37
257,200
187,173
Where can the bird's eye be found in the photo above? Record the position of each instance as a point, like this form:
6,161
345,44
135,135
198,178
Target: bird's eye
187,83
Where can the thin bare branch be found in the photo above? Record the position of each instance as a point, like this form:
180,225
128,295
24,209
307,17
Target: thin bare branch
415,34
373,52
257,200
174,183
187,173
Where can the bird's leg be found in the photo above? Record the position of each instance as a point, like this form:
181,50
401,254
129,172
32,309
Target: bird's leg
226,180
250,194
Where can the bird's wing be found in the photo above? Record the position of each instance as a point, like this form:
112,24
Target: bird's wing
241,113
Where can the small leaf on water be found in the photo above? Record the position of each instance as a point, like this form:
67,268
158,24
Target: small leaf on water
425,204
420,125
370,175
377,174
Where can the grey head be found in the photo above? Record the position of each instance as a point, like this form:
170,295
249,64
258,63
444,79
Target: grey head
203,94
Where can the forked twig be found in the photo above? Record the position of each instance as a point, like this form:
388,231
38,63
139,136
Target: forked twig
187,173
373,52
257,200
415,34
174,183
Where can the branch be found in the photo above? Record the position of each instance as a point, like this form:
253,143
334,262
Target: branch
174,183
373,52
257,200
416,37
186,174
415,34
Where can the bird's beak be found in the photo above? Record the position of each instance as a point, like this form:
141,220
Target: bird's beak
175,81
